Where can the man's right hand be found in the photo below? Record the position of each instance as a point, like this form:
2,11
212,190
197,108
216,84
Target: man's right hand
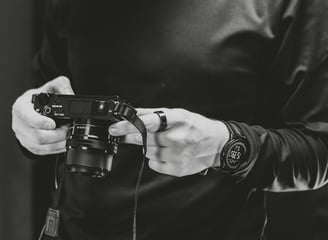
35,132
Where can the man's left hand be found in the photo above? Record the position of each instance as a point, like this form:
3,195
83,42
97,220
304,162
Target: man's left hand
189,144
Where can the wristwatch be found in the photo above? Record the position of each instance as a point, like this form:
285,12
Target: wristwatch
235,151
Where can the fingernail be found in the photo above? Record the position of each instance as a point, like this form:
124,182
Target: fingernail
112,130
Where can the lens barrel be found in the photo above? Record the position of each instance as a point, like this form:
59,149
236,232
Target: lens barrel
90,149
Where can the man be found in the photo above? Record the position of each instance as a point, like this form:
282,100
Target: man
238,87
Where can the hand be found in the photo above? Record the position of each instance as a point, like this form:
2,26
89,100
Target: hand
35,132
190,143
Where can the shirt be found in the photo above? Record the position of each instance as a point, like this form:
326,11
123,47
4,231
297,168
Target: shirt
262,64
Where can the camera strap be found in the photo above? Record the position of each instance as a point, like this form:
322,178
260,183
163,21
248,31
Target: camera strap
51,226
130,114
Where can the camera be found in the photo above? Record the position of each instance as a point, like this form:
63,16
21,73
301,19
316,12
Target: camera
90,148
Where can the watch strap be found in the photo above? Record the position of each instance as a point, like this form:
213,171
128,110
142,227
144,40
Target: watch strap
234,152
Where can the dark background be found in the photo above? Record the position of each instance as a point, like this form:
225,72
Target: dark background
15,171
24,182
20,202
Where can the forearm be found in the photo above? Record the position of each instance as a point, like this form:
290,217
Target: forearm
294,158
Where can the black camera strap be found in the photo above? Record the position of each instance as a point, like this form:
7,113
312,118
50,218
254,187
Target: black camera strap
130,114
142,129
51,226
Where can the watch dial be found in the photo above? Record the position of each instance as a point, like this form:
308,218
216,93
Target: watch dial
235,155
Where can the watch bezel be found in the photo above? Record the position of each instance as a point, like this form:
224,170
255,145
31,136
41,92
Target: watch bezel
227,159
235,139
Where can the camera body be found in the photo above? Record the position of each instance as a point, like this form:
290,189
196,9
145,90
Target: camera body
90,148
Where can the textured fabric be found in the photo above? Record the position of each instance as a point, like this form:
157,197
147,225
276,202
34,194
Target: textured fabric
261,63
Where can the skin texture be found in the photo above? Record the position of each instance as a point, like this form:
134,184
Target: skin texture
35,132
189,144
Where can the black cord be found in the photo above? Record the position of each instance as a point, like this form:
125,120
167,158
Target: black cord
137,122
136,196
55,201
59,189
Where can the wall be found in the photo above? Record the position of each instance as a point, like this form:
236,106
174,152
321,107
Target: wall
15,171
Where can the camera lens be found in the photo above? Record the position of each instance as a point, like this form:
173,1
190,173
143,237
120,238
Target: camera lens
90,149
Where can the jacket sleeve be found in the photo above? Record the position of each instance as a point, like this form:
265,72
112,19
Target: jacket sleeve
294,155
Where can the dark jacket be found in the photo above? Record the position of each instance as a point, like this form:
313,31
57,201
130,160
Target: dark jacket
260,63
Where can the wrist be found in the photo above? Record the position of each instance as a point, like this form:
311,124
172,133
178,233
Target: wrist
234,153
223,135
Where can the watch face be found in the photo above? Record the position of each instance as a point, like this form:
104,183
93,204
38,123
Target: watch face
235,154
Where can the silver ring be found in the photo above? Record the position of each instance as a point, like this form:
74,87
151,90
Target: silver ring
163,120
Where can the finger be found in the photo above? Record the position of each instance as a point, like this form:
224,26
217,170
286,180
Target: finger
157,165
174,117
153,139
45,149
164,168
144,111
61,85
44,137
124,127
23,111
158,154
151,121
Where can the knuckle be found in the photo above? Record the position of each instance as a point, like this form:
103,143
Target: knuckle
29,92
14,126
15,107
178,138
62,79
183,113
20,104
180,110
150,126
56,80
186,118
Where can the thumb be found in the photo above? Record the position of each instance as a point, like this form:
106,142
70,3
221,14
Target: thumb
60,85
